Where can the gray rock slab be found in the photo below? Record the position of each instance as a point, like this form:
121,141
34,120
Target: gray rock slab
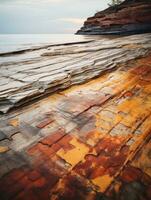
32,74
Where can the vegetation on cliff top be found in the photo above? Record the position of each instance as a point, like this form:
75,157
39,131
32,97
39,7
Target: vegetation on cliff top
115,2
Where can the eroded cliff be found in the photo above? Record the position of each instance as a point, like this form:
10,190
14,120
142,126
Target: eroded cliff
130,17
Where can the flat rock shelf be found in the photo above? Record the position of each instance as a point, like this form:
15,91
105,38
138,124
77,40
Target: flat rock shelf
91,141
25,76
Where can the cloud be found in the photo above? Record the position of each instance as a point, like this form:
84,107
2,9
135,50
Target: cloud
46,16
77,21
30,2
45,1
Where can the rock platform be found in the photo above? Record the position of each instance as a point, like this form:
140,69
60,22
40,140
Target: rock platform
88,142
26,76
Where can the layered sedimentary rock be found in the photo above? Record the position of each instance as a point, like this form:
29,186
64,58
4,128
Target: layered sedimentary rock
27,76
89,142
130,17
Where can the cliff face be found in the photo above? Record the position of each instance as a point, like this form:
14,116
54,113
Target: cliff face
130,17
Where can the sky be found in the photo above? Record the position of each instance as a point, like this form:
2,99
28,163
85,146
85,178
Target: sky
46,16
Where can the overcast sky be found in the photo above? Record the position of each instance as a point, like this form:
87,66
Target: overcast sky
46,16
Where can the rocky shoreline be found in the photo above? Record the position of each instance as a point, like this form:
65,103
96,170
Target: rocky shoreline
130,17
91,141
34,74
75,119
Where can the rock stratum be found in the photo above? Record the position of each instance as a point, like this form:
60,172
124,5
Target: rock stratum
29,75
130,17
91,141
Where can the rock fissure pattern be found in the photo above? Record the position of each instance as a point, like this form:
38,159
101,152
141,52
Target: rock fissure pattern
91,141
56,68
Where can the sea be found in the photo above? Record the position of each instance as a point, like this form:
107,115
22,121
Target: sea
18,42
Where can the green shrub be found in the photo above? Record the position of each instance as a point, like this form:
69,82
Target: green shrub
115,2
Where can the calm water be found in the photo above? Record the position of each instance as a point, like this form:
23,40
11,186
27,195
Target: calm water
11,42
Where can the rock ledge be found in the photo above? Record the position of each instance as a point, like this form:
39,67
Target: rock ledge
130,17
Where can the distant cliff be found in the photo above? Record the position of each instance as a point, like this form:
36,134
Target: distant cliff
130,17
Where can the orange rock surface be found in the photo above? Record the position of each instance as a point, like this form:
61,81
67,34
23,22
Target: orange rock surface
88,142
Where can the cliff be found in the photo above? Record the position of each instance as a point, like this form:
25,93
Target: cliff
130,17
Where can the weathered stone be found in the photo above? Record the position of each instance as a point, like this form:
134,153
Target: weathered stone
9,131
130,17
2,136
51,72
98,145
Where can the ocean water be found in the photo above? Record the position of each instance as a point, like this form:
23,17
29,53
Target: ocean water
17,42
20,48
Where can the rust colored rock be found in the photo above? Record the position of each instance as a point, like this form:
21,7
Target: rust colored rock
65,142
128,94
44,123
141,70
75,187
33,150
53,138
39,149
102,150
131,174
25,195
130,17
34,175
55,147
40,182
109,145
149,192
